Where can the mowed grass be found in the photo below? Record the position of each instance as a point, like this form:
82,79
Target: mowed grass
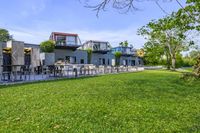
149,101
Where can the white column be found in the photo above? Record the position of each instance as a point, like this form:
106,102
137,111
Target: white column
35,57
17,52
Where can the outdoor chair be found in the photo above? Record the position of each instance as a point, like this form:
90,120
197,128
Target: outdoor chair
45,71
81,70
70,70
109,69
92,69
6,76
25,71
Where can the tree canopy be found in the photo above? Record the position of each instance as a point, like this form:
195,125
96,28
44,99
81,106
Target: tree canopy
47,46
170,33
4,35
124,44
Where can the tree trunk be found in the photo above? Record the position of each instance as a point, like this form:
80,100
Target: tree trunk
173,63
168,61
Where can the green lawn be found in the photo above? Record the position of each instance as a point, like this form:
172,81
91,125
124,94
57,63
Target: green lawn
150,101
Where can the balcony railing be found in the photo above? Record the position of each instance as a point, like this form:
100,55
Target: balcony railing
64,43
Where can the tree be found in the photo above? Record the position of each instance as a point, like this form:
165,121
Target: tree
190,14
194,54
153,53
123,44
197,66
89,55
123,6
4,35
169,32
117,58
47,46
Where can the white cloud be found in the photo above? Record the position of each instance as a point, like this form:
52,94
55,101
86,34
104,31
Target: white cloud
32,7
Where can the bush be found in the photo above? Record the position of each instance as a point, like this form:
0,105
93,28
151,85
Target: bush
47,46
190,76
117,58
197,66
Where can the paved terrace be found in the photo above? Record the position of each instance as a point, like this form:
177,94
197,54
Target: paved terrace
61,72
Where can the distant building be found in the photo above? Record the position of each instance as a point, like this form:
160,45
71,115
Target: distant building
68,49
65,40
97,46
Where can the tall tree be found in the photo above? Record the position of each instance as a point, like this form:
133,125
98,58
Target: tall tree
190,14
153,53
126,43
170,33
4,35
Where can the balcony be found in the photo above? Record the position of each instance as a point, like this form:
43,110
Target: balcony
100,49
126,51
66,45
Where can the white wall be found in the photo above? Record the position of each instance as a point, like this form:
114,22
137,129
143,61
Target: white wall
17,52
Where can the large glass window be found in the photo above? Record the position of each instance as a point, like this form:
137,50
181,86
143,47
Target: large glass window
71,40
60,40
103,46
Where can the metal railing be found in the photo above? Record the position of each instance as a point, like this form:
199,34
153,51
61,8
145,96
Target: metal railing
27,73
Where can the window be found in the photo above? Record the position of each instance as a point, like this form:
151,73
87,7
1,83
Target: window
82,61
133,63
100,61
74,59
104,62
60,40
108,62
71,40
67,59
96,46
103,46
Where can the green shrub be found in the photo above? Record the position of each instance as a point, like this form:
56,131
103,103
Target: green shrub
189,77
47,46
117,58
89,54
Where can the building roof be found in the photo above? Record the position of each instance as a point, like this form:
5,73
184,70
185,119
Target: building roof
31,45
64,34
122,47
97,41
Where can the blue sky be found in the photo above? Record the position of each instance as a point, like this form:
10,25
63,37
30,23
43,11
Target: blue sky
32,21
